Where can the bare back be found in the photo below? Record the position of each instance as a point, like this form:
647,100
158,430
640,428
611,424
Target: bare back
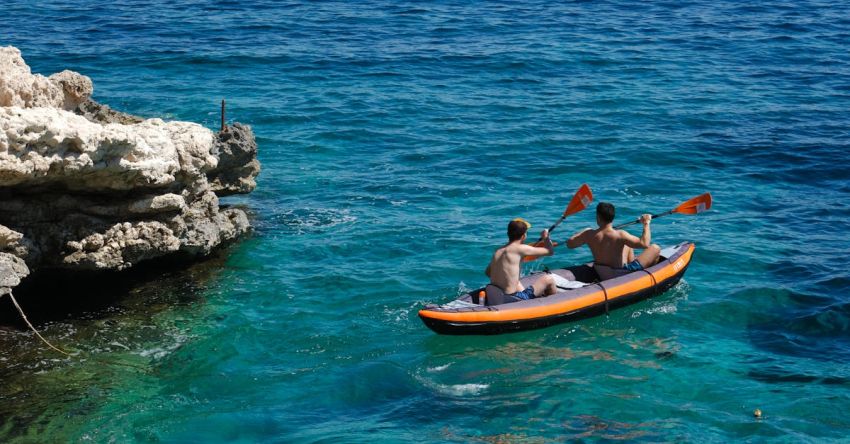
608,246
505,264
504,268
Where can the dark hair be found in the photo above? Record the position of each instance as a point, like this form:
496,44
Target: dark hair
516,228
605,212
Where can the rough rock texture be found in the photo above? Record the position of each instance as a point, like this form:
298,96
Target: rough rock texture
237,164
19,87
51,147
12,270
85,187
100,113
13,250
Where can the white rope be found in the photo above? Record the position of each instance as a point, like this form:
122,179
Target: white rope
105,361
21,311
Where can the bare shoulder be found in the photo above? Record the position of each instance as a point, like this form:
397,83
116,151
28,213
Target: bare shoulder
627,238
588,236
518,249
585,235
623,234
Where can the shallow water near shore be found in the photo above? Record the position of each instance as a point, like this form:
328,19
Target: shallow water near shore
397,139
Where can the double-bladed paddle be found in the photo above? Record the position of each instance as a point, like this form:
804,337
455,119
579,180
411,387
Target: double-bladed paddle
692,206
580,201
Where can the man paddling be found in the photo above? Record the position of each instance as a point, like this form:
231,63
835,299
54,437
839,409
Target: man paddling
613,250
504,267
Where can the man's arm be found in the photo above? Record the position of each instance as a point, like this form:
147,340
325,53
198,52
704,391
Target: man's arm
487,271
578,239
546,250
645,237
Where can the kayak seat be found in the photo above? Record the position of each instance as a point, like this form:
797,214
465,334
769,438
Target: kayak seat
495,296
582,273
578,273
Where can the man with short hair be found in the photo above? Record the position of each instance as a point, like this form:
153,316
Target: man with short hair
504,267
613,250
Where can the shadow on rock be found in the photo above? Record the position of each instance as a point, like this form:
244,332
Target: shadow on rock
57,295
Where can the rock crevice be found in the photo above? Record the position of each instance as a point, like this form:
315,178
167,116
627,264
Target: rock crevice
85,187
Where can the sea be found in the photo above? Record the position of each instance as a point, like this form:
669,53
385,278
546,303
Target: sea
397,139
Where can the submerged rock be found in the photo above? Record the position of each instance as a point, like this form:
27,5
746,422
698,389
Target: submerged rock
85,187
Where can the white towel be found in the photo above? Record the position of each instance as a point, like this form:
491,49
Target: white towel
566,284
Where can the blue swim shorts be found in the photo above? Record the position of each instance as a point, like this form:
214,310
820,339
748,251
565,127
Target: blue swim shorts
633,266
525,295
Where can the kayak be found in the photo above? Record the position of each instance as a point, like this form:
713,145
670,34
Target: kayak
580,295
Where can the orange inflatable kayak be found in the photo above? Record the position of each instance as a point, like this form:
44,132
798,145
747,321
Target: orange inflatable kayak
580,296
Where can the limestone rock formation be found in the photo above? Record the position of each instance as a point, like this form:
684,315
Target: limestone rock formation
97,112
237,162
13,249
85,187
19,87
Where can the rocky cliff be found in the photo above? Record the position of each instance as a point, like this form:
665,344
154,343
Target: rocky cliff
85,187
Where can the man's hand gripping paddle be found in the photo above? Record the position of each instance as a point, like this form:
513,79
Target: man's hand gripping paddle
580,201
693,206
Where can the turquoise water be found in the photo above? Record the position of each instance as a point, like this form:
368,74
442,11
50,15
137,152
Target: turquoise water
397,139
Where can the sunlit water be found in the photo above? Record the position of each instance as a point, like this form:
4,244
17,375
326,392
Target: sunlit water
397,139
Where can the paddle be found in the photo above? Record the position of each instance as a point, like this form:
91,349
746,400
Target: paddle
580,201
693,206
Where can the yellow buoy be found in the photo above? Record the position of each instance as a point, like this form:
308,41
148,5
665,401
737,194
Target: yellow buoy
757,413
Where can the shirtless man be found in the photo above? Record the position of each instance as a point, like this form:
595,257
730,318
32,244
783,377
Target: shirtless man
504,267
613,250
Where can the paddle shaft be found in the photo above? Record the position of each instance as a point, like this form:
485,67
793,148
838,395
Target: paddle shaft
654,216
552,228
581,199
555,225
537,244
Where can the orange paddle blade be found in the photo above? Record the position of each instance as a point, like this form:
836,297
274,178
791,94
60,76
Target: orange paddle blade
696,205
582,200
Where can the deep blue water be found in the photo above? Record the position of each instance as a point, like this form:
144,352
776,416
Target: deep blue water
397,139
